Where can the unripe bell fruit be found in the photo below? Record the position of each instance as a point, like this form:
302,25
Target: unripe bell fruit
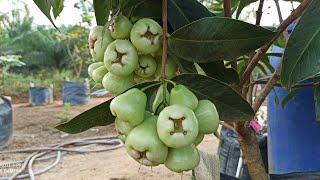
146,36
121,27
117,84
199,139
93,67
208,117
98,42
171,69
147,66
130,106
99,73
183,96
121,58
123,128
182,159
144,145
177,126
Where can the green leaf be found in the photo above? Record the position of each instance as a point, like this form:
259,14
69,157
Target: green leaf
57,7
218,71
45,7
243,4
183,12
102,10
99,115
146,9
216,39
302,56
293,93
126,4
230,105
185,66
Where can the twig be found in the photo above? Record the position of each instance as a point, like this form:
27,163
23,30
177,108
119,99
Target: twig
279,85
254,61
259,12
227,8
285,33
165,38
278,10
269,86
225,124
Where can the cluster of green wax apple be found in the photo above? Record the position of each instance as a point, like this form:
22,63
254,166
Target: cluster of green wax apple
170,133
127,53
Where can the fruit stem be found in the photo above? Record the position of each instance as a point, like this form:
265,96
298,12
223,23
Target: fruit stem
169,81
165,38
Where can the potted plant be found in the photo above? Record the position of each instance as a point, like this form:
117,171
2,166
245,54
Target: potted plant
6,125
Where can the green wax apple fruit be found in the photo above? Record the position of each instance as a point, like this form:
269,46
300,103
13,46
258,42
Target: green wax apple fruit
121,58
130,106
199,139
208,117
144,145
182,159
147,66
99,73
98,42
117,84
183,96
121,28
123,128
94,66
171,69
146,36
177,126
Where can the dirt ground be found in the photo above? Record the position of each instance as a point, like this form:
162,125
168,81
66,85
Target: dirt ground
34,127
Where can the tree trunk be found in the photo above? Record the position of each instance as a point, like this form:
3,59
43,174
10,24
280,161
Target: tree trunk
251,152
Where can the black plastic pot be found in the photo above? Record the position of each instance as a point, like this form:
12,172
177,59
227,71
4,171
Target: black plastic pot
229,153
76,92
6,126
40,96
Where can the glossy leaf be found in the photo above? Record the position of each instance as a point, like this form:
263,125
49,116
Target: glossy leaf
218,71
216,39
185,66
57,7
45,6
230,105
146,9
183,12
102,10
99,115
302,56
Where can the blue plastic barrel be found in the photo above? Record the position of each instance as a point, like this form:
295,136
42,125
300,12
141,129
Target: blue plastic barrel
40,96
76,92
293,145
5,121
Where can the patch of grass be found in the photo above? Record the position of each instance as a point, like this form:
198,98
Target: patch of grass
18,84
